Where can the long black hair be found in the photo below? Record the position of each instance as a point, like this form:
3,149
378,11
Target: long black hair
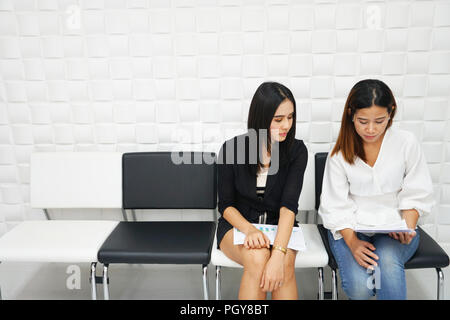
265,102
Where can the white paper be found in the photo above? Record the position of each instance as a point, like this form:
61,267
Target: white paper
296,242
399,226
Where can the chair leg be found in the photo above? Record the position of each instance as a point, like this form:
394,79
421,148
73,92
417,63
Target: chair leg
440,284
218,283
321,290
334,290
93,281
124,214
205,282
307,217
105,282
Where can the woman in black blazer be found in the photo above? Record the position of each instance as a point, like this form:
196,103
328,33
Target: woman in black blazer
261,175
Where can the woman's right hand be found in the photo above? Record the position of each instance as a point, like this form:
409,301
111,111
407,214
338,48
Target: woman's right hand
363,253
256,239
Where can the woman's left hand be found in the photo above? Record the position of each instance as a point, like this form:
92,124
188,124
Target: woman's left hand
273,275
411,216
403,237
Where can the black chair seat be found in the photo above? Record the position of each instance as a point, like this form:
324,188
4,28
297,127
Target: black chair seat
159,242
428,255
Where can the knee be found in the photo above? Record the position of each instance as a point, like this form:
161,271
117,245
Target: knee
389,260
255,260
289,273
390,272
289,268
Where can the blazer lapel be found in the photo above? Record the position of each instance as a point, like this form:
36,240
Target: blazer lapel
271,179
251,184
252,187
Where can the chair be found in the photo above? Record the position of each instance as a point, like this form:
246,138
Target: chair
153,180
428,255
67,180
314,257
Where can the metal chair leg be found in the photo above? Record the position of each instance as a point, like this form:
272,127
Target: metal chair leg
321,290
93,281
307,216
218,283
205,282
334,290
124,214
47,215
440,284
105,283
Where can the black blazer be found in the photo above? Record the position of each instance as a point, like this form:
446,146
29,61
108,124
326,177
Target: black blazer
237,188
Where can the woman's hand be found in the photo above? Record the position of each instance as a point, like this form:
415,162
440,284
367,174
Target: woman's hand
403,237
256,239
411,216
362,252
273,275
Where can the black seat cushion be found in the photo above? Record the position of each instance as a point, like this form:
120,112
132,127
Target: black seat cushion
159,242
428,255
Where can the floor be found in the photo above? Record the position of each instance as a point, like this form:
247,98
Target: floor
173,282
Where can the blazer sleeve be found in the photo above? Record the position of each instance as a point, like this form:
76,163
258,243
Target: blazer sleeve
294,181
225,179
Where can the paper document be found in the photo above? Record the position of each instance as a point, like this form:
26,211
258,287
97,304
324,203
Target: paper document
399,226
296,242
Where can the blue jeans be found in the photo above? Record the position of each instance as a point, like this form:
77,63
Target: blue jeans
387,281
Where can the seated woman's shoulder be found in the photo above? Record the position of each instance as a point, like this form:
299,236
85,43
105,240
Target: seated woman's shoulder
404,136
298,148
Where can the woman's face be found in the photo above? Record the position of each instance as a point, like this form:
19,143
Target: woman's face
282,121
370,123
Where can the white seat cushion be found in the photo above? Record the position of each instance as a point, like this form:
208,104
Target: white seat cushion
314,256
55,241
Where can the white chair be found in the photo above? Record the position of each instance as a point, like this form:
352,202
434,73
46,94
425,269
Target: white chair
67,180
315,255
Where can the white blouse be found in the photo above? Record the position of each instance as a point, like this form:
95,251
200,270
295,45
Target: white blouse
370,196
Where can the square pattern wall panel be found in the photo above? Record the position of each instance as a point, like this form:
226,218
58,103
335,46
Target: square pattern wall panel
156,75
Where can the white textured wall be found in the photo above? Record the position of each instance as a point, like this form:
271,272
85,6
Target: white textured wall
144,75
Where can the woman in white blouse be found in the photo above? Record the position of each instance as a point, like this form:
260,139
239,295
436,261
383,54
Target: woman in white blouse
375,176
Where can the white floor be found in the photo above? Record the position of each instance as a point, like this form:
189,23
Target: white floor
50,281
